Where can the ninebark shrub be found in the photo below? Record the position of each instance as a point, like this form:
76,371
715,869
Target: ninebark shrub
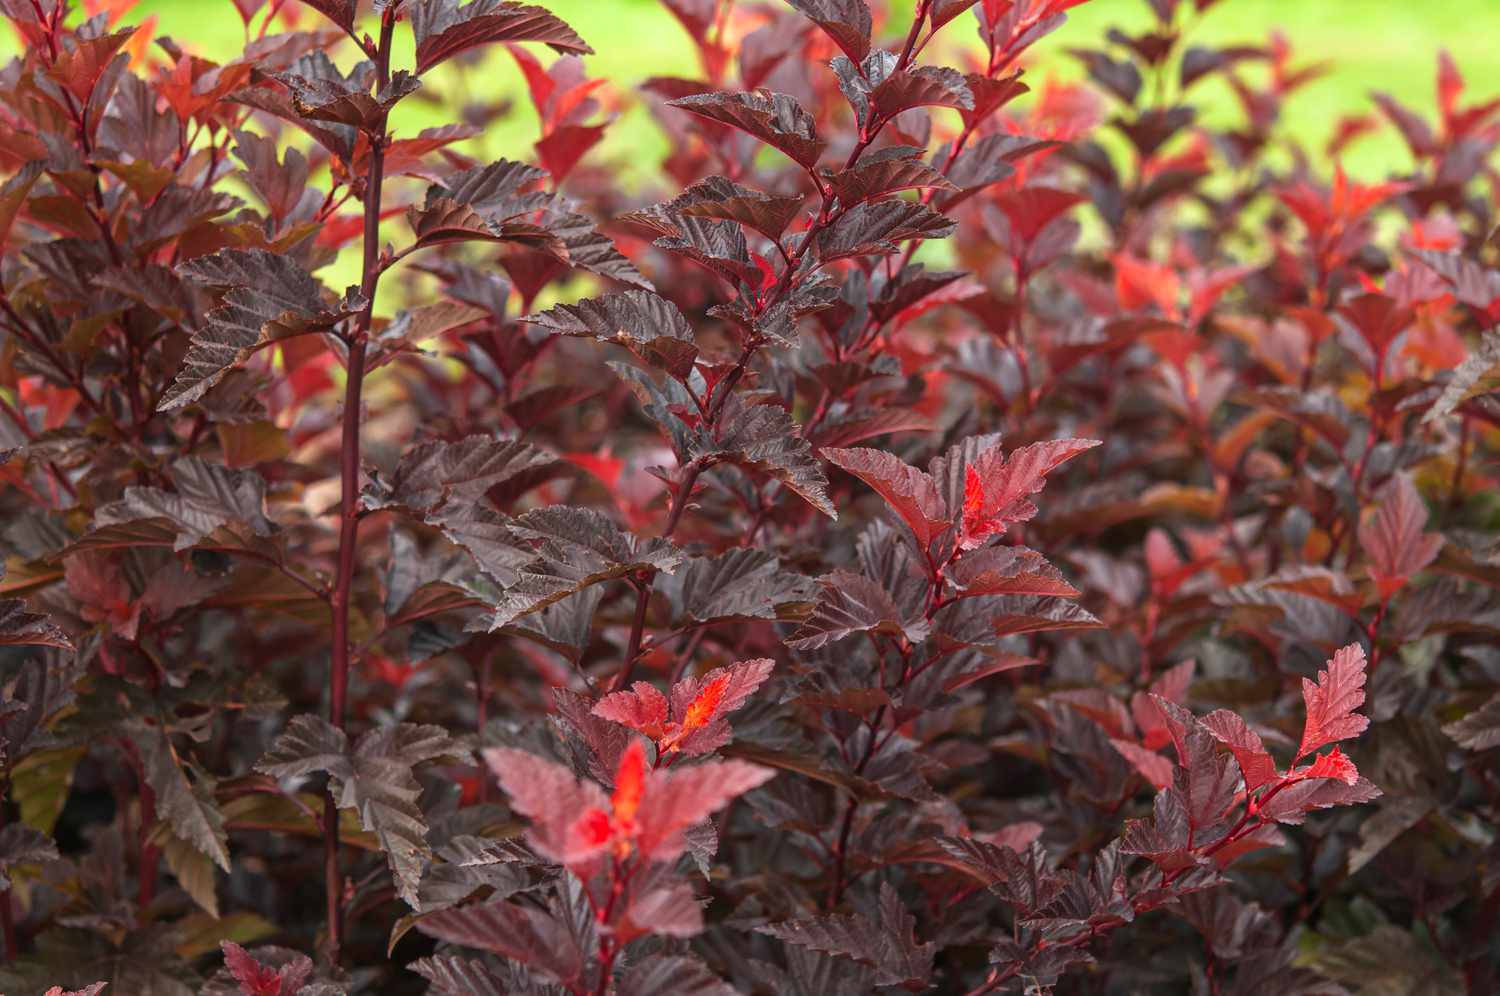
956,533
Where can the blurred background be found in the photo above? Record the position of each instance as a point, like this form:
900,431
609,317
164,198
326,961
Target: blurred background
1386,45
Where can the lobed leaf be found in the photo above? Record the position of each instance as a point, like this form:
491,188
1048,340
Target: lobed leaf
1256,764
376,778
531,936
552,797
741,583
207,497
887,171
573,549
774,118
648,325
1331,701
721,198
887,942
875,227
1007,570
852,603
187,807
267,298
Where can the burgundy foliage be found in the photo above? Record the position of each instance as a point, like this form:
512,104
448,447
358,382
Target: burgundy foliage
950,534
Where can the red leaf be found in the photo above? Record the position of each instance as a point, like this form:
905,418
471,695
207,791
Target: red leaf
1258,839
887,175
847,22
912,493
1335,764
1379,319
1034,208
1171,685
975,529
718,693
630,786
558,804
990,95
988,666
774,118
703,707
1292,804
1340,689
1205,287
925,86
696,16
561,150
643,708
1393,540
693,721
1257,766
1140,283
443,28
1450,84
681,797
1007,481
1157,770
1008,570
256,979
538,82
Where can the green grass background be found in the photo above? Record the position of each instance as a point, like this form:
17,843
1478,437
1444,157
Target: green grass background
1371,44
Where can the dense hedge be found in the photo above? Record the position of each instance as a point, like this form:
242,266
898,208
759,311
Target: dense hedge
576,592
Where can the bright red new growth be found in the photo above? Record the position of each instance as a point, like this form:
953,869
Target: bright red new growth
1006,480
256,979
1332,765
976,527
705,705
574,822
625,802
693,720
1332,699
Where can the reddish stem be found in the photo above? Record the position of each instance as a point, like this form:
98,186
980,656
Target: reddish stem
680,496
349,503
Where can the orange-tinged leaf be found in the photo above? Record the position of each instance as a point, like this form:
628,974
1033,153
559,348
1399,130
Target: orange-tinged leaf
630,785
1010,479
704,705
642,708
976,529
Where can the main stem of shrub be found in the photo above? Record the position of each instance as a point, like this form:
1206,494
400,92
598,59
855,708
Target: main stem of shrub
349,507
